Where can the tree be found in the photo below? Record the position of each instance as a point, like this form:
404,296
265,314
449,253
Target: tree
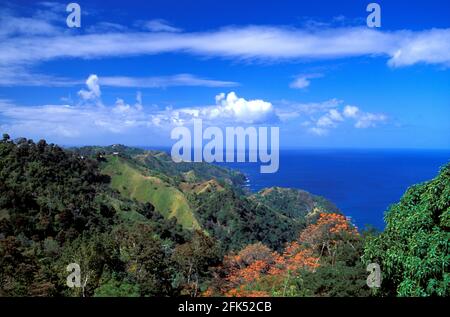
258,271
16,268
330,233
146,260
117,288
413,250
329,248
193,260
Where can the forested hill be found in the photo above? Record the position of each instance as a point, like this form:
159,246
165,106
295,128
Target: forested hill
160,162
61,206
140,225
203,196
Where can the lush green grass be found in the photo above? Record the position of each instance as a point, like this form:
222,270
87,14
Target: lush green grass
133,181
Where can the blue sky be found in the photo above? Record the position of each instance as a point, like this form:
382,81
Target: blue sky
136,69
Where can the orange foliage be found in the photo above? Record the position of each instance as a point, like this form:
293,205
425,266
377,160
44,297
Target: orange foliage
294,258
208,293
247,268
249,273
242,292
244,271
328,228
249,255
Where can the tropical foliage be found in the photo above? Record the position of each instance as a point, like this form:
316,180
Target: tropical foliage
138,224
413,251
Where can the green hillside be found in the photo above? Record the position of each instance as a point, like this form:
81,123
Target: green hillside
188,171
133,181
124,222
294,203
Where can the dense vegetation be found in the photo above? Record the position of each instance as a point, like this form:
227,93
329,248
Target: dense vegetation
56,208
140,225
413,251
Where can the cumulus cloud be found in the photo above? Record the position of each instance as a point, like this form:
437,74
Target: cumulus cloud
86,119
363,119
333,117
330,119
93,89
242,110
80,120
229,109
350,111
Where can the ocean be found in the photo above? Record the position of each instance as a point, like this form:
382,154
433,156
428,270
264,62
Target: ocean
362,183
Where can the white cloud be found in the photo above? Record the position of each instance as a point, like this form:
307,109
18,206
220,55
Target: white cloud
333,117
164,81
13,75
325,121
350,111
13,26
367,120
159,25
229,109
300,83
74,122
242,110
85,120
104,26
402,48
330,119
93,92
138,104
430,47
363,119
318,131
19,76
28,41
288,110
303,81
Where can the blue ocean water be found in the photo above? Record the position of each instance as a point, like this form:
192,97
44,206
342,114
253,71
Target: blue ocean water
362,183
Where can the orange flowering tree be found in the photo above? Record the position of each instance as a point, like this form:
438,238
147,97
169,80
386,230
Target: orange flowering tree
258,271
244,269
328,234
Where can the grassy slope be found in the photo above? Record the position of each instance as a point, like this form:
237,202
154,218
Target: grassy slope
191,172
131,181
294,203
